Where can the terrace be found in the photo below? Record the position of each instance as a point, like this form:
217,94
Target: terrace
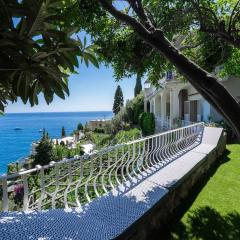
124,191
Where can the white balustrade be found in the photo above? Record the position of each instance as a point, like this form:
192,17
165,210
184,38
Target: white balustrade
165,123
74,182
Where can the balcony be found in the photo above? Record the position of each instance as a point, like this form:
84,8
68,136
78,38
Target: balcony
104,194
165,123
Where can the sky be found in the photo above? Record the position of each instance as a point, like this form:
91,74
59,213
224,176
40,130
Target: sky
92,89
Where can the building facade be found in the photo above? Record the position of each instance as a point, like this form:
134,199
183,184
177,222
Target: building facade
98,124
179,103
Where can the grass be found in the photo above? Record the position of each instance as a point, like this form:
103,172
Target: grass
215,212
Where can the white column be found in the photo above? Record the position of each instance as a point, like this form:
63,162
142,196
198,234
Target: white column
163,108
175,103
154,106
171,108
145,105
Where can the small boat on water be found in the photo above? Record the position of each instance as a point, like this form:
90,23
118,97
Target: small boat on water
17,128
40,130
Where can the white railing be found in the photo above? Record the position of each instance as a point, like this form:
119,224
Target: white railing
74,182
165,123
162,123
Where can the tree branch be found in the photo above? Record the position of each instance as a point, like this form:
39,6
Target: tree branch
232,15
188,46
218,27
122,16
139,10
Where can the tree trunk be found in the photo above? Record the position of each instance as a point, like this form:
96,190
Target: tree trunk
206,84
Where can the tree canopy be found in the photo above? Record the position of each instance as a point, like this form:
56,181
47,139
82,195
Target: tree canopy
120,46
38,50
154,22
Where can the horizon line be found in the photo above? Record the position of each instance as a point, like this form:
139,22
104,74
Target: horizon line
59,112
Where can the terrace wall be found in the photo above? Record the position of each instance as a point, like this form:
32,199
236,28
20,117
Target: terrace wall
164,213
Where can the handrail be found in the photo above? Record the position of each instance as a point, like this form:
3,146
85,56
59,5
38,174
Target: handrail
76,181
164,133
86,156
166,123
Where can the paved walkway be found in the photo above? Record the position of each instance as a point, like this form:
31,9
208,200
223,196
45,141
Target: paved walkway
108,216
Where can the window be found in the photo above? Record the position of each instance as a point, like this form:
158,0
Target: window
169,76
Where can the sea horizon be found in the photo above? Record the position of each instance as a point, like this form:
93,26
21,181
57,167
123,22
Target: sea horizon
17,144
57,112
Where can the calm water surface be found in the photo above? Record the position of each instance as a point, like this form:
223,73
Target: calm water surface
16,144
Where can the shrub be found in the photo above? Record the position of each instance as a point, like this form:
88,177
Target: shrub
108,129
147,123
18,194
126,136
101,140
70,153
11,168
99,130
61,152
79,127
118,121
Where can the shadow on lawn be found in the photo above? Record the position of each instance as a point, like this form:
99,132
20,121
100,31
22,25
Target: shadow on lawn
204,223
207,224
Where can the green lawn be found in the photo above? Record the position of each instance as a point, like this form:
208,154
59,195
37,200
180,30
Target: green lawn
215,213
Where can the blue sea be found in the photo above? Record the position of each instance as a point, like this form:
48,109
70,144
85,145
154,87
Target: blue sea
16,144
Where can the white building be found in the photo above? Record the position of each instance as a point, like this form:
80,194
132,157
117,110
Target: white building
87,148
179,102
70,141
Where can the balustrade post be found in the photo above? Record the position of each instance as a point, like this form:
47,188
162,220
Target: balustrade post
5,194
25,189
56,186
42,188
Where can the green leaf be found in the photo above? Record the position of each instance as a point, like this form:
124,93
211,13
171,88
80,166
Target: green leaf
91,57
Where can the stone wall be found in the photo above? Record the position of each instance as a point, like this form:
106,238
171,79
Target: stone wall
166,211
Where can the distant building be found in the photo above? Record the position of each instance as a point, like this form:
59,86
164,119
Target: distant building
70,141
98,124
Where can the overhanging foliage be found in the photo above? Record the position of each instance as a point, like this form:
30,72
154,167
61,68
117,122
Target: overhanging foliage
38,50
